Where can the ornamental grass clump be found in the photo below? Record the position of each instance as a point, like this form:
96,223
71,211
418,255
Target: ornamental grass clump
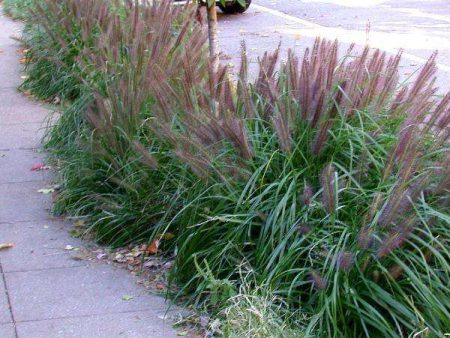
55,36
102,139
17,9
322,179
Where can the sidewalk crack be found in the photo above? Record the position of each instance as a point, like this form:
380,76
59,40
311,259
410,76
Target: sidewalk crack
16,335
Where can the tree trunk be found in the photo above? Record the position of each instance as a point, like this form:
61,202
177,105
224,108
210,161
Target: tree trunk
212,33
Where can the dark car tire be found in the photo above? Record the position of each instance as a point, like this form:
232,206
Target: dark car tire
235,7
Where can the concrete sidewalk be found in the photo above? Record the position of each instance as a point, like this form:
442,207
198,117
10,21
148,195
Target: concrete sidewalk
43,292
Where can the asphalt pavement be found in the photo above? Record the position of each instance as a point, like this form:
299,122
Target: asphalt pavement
419,27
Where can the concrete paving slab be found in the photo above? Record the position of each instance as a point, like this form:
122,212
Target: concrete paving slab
125,325
13,84
5,41
16,108
10,68
17,136
11,31
80,291
9,27
21,202
5,314
7,331
38,246
16,165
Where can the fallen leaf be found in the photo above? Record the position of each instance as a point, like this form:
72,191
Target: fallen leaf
79,223
160,286
102,256
183,333
168,236
168,265
151,264
27,93
127,297
38,167
120,258
4,246
76,232
46,191
77,257
153,248
22,51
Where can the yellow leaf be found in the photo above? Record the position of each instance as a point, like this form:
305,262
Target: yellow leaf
46,191
79,223
168,236
4,246
127,297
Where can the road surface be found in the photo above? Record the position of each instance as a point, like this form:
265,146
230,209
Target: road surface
417,26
